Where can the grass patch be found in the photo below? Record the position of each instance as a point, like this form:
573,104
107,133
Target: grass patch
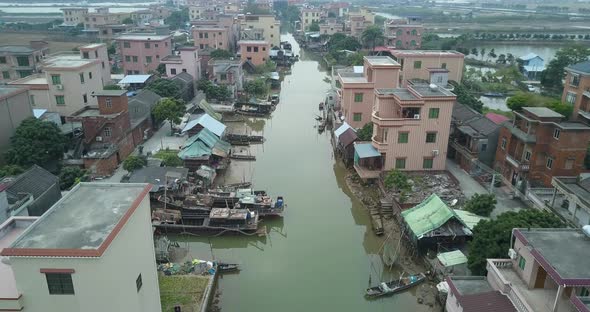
161,154
184,290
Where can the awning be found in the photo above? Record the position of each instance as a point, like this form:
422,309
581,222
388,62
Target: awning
451,258
365,150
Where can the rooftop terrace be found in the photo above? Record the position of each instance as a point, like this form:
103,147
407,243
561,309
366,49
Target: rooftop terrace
84,219
381,61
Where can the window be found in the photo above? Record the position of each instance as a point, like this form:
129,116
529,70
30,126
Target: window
527,156
569,163
157,56
443,65
148,59
107,132
81,77
484,147
574,80
521,263
433,113
503,145
173,71
127,58
413,43
556,133
255,49
184,70
147,45
89,75
55,79
129,72
400,163
570,98
2,59
22,61
201,46
417,64
96,54
138,282
134,59
430,137
32,99
126,44
402,137
85,98
414,32
60,100
357,116
108,102
223,77
398,43
263,48
59,283
85,55
206,35
156,45
248,49
6,75
427,163
200,35
549,163
358,97
399,32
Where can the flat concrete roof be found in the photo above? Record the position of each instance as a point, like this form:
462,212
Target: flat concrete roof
36,79
110,92
426,91
16,49
258,42
381,61
403,94
570,125
83,218
9,231
143,37
67,61
469,285
564,249
353,79
542,112
92,46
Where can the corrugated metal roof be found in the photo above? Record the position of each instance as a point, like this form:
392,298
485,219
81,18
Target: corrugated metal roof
203,144
429,215
348,137
207,122
341,129
204,105
365,150
452,258
135,79
468,218
529,56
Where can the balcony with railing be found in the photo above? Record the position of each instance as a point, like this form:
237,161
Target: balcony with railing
523,167
503,277
395,121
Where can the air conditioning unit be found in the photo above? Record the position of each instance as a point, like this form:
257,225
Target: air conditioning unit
512,254
435,152
417,116
59,87
98,139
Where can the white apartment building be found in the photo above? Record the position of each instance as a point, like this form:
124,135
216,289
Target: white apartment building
92,251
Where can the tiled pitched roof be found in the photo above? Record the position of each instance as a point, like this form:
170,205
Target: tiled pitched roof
34,181
492,301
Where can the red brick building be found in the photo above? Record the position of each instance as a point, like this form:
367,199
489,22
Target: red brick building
110,133
539,144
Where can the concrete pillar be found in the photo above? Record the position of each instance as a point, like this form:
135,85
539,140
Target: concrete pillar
571,205
559,292
553,198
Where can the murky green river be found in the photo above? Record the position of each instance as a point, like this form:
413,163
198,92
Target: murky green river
320,255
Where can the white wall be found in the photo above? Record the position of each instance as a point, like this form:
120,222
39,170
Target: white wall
100,284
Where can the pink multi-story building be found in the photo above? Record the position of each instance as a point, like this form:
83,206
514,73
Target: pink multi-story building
141,53
401,34
185,60
420,64
356,95
211,37
255,51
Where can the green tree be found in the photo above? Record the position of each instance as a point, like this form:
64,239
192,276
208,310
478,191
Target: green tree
221,54
340,41
161,69
482,52
366,132
474,51
169,109
491,238
315,26
372,36
465,97
397,179
171,160
178,19
11,170
70,176
518,101
133,163
212,91
256,87
164,87
127,21
481,204
552,77
356,59
562,108
112,87
36,142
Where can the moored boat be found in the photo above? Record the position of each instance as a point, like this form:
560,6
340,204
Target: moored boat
390,288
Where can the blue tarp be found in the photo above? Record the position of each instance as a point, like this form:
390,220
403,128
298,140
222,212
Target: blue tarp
365,150
207,122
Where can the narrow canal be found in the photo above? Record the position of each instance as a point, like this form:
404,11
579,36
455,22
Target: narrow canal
320,256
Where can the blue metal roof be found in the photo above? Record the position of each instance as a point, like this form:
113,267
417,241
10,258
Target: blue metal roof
207,122
365,150
530,56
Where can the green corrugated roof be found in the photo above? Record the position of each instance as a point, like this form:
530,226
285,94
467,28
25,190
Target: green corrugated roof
204,144
427,216
452,258
470,219
204,105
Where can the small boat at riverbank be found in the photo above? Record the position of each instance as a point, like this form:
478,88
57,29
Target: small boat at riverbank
254,108
227,267
219,221
390,288
494,94
243,139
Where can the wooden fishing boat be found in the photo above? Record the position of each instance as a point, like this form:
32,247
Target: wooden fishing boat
227,267
242,157
390,288
254,108
218,221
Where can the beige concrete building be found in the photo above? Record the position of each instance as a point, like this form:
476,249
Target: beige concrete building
14,108
331,27
19,61
74,16
255,51
269,25
418,64
92,251
308,17
68,80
